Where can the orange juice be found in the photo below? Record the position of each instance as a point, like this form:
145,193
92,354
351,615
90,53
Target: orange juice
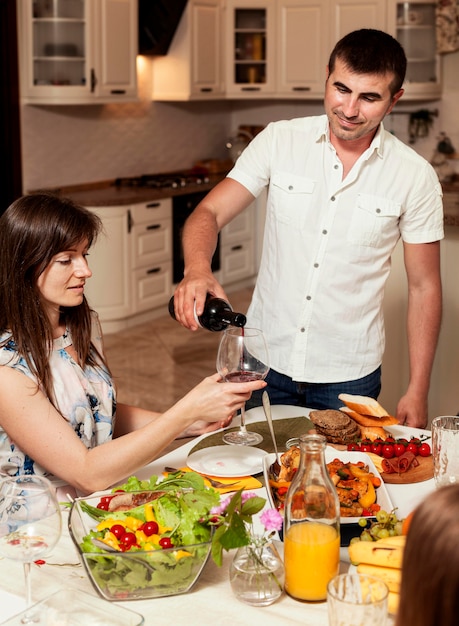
311,559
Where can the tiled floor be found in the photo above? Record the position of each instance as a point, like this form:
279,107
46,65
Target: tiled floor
156,363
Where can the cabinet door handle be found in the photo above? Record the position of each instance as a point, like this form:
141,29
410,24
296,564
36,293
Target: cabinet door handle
239,247
93,80
129,221
301,88
118,91
250,88
153,226
206,89
154,270
153,205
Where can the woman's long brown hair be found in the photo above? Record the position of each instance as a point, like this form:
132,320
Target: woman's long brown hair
33,230
429,594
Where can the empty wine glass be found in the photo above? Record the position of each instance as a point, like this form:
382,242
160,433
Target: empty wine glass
242,357
30,524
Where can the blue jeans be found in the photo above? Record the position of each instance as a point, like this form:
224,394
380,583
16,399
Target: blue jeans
283,390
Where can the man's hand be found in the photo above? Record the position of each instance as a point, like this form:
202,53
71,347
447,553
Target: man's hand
412,410
190,296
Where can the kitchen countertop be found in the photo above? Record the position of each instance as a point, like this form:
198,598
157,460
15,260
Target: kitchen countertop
106,193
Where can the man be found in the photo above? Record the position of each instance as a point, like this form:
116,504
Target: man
342,191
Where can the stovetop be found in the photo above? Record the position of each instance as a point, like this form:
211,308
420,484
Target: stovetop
174,180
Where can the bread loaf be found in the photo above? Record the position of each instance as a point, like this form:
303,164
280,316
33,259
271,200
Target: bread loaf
369,422
363,405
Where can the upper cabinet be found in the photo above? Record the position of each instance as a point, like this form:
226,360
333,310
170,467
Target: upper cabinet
413,24
192,68
77,51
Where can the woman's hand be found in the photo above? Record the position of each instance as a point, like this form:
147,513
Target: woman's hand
215,402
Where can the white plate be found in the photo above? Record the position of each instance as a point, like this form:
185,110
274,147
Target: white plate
382,496
399,431
227,461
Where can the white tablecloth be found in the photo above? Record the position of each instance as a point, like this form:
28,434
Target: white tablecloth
211,599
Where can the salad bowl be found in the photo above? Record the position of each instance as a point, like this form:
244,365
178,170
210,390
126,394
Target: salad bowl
149,570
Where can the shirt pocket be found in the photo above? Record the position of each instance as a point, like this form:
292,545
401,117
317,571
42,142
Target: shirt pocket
292,198
373,218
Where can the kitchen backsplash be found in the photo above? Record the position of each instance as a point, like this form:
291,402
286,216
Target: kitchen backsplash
65,145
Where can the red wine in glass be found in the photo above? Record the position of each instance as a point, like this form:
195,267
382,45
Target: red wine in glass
242,357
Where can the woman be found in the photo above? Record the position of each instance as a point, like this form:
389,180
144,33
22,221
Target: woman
58,401
429,595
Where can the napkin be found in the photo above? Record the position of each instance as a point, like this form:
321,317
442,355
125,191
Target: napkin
233,484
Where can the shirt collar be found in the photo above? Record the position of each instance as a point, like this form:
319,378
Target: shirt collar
377,144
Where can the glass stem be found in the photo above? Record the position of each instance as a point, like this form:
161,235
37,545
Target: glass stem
28,586
243,428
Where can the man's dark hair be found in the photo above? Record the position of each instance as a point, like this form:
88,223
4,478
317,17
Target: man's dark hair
369,51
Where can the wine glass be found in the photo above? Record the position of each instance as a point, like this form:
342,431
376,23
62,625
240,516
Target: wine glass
242,357
30,524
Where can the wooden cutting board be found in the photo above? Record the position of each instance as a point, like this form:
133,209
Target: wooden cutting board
424,471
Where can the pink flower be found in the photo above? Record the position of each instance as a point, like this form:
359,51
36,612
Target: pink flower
271,519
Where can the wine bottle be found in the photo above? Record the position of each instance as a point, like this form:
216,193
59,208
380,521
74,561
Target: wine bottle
217,314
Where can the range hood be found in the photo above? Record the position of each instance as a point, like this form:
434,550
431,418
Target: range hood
158,21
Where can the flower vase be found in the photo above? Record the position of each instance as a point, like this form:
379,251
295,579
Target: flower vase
257,574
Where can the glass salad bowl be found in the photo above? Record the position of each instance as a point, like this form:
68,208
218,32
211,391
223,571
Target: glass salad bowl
149,569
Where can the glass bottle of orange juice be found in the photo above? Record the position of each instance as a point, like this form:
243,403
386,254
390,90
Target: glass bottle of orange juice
311,525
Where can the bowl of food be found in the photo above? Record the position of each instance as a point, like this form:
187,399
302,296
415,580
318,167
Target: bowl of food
145,544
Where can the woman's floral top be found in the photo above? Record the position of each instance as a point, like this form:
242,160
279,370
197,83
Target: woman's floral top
85,397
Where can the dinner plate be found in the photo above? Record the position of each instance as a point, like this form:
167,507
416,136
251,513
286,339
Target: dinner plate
382,496
227,461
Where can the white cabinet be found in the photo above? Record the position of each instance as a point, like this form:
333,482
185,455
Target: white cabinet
238,248
280,48
77,51
151,254
414,26
131,263
109,289
302,47
192,68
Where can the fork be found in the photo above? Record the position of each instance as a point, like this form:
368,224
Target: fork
215,483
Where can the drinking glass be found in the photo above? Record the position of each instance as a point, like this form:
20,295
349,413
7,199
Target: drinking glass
445,449
242,357
357,599
30,524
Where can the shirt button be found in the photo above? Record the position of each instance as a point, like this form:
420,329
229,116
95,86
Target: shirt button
302,330
324,232
336,167
316,265
290,187
308,297
378,210
333,198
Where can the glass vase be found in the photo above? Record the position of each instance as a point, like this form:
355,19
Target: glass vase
257,574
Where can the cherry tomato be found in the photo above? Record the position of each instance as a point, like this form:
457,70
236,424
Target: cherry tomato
424,449
150,528
387,451
399,449
403,440
165,542
412,447
389,439
365,447
127,540
118,530
376,447
353,447
415,440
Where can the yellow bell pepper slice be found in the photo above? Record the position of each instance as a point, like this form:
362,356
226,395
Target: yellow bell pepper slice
369,497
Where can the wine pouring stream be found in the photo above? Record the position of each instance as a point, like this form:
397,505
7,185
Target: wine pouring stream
242,357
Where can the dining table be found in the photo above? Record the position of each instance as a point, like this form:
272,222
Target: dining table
211,599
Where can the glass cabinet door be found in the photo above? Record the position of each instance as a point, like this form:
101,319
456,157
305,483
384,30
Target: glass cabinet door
250,46
415,28
59,43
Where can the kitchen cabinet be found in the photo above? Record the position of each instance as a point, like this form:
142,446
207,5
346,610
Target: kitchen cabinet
109,289
238,248
192,68
151,255
413,24
77,51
